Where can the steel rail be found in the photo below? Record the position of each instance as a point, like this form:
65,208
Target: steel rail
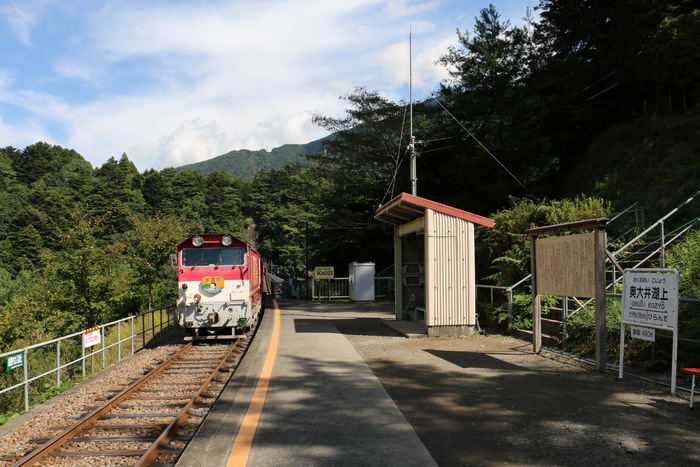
59,440
151,453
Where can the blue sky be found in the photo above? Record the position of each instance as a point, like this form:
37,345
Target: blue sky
171,82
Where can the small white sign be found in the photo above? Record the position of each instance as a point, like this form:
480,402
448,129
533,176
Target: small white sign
647,334
91,338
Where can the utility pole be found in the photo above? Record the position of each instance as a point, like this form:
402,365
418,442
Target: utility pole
412,139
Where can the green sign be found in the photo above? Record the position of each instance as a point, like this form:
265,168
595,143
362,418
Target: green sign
14,361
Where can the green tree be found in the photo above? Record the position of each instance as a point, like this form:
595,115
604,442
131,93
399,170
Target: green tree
497,146
224,204
27,245
188,194
84,282
147,249
158,191
287,209
509,248
7,172
34,161
115,195
685,257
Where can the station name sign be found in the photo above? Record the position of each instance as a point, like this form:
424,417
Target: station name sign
650,302
650,298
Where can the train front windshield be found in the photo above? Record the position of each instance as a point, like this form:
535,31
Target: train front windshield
213,257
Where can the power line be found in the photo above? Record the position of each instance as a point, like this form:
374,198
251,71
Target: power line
482,145
397,162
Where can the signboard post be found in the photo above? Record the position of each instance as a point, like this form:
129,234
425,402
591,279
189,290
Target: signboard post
650,302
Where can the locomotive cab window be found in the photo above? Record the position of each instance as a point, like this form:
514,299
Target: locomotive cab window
213,257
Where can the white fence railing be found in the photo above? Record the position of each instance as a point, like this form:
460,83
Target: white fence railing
339,288
133,332
330,289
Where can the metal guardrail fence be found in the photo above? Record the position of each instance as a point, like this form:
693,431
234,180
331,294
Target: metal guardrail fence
330,289
339,288
135,332
384,287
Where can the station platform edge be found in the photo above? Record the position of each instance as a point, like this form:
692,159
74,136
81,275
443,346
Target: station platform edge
314,402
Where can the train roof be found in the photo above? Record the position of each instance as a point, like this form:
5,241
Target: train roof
213,239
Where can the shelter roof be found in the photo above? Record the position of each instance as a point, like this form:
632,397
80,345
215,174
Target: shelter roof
405,208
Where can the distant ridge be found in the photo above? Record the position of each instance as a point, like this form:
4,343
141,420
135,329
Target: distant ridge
244,163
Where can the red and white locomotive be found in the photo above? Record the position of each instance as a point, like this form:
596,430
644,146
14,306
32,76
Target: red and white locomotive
220,285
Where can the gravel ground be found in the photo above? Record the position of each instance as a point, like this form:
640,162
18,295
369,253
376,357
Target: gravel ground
50,418
490,400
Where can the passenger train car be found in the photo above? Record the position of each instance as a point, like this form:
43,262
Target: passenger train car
220,285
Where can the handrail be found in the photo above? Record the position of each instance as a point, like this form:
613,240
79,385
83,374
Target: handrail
519,282
629,208
26,379
660,221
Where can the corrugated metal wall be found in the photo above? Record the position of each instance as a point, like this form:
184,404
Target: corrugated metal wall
449,271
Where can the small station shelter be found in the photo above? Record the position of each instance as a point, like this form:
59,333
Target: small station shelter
434,263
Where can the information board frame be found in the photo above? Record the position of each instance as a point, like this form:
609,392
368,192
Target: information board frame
599,248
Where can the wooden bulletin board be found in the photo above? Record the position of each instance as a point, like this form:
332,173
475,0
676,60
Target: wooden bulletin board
570,266
566,265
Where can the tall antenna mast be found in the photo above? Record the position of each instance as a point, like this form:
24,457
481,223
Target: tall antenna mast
412,139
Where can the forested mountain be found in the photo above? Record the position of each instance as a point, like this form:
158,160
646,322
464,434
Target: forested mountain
244,163
596,102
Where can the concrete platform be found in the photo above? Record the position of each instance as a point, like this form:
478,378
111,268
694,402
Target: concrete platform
414,328
324,405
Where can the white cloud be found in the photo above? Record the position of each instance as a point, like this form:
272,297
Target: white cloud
171,82
192,141
403,8
23,133
70,68
398,64
23,15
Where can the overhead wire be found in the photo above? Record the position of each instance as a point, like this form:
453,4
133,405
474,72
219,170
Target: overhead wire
483,147
397,162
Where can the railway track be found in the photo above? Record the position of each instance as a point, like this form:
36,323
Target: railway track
151,420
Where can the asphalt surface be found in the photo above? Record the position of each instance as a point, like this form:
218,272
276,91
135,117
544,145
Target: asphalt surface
491,401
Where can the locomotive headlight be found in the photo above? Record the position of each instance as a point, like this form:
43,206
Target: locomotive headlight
227,240
197,241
